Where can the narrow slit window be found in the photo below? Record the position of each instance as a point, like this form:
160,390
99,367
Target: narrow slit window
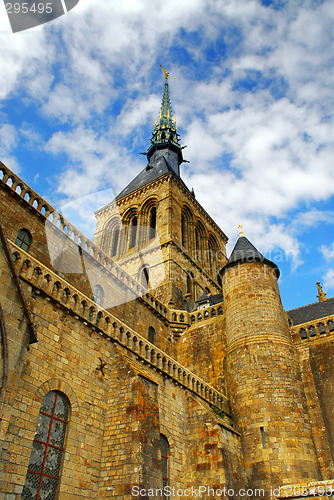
263,436
151,334
153,222
164,449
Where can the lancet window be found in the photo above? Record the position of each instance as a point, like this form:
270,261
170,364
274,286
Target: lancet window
46,457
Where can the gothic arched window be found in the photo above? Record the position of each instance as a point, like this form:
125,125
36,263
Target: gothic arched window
48,448
145,276
186,228
114,240
98,295
164,450
213,252
133,232
23,239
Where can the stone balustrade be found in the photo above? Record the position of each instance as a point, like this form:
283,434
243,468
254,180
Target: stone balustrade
45,209
45,281
205,314
313,329
185,318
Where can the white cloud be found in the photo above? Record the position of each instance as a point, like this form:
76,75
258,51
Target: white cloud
327,252
8,143
95,71
329,280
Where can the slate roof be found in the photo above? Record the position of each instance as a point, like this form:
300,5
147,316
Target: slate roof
161,163
216,299
244,251
312,312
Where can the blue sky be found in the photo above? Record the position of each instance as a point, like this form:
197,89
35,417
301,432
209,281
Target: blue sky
252,86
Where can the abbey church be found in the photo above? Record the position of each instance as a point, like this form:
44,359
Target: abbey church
148,363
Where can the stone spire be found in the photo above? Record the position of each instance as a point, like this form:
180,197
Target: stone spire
165,134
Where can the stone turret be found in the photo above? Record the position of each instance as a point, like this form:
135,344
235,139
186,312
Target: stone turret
265,386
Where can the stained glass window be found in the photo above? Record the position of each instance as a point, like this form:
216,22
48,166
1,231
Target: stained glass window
23,239
48,448
164,450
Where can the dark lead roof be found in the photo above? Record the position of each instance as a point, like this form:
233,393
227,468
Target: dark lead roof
312,311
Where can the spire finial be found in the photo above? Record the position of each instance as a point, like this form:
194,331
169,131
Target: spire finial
240,230
165,136
165,72
321,295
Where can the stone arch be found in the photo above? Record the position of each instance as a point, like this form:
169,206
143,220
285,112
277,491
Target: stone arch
57,384
111,237
148,222
130,221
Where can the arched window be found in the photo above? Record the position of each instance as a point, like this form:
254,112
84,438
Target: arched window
153,222
48,448
133,232
213,252
197,240
190,278
164,450
23,239
184,230
145,276
114,241
98,295
151,335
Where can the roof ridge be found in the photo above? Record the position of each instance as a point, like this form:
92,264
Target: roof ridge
311,304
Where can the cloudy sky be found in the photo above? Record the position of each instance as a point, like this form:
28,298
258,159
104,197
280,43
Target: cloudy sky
252,86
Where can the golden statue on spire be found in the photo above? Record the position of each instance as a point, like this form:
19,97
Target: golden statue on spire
240,230
165,72
321,295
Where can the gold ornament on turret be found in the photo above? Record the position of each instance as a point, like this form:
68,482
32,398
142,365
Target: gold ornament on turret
240,230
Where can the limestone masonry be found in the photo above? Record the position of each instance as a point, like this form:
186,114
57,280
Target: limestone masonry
148,364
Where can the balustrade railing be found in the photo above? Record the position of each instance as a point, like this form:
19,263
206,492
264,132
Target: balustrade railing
53,216
313,329
49,283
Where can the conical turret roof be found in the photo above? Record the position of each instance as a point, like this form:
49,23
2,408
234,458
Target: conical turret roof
245,251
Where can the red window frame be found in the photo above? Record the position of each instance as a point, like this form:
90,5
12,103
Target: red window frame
23,239
47,445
